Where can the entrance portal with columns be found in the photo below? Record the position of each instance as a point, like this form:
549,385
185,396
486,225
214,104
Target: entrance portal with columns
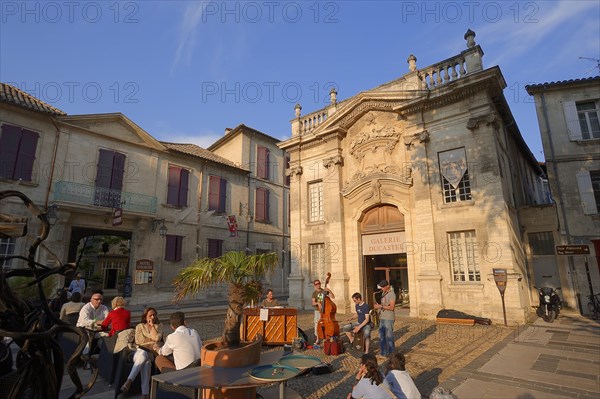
384,251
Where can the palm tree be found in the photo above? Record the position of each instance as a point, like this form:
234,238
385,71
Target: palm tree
242,272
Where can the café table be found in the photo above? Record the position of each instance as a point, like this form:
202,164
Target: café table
206,377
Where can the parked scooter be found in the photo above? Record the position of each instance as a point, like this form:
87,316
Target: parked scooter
550,303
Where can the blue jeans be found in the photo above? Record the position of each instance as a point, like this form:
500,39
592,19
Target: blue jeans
386,337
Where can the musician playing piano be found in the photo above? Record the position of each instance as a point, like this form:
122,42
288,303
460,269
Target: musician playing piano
363,322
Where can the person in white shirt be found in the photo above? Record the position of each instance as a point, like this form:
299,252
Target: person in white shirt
77,285
92,312
181,348
398,380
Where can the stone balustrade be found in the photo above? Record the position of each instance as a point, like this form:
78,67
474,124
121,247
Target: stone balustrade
311,121
444,72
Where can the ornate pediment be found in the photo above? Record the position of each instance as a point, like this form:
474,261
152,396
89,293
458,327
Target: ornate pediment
372,138
402,175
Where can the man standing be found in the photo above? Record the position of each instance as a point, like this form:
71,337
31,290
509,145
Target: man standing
386,324
363,323
92,312
181,348
317,301
77,285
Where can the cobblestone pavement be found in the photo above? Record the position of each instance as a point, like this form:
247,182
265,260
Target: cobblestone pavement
434,352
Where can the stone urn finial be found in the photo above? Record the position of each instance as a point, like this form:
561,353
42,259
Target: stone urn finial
333,95
412,62
470,38
298,109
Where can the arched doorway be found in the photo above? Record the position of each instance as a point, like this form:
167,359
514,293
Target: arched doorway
384,252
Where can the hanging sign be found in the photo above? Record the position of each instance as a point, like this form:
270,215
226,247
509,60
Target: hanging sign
233,227
117,217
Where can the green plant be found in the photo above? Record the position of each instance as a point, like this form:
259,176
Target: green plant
240,271
19,285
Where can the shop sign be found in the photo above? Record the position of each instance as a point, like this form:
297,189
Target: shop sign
383,244
144,264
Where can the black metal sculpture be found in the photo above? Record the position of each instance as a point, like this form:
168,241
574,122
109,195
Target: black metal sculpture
30,324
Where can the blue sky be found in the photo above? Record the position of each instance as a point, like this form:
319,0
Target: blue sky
184,71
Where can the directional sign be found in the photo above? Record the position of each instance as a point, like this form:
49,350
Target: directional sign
572,249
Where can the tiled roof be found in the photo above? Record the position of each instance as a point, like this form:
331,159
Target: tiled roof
196,151
562,82
12,95
239,129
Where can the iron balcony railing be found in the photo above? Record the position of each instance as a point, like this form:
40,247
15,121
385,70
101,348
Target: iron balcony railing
99,196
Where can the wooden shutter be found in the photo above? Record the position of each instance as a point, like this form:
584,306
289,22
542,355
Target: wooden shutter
9,150
266,212
173,185
173,249
183,187
586,193
262,162
118,171
104,168
572,119
213,193
222,195
26,156
260,204
215,248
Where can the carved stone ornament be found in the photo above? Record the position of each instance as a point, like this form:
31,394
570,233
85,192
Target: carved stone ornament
293,171
421,137
376,191
363,142
399,174
331,161
490,119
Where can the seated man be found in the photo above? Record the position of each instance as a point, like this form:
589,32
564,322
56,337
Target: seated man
181,348
269,301
363,324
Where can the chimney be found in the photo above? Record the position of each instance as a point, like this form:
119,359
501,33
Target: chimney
227,130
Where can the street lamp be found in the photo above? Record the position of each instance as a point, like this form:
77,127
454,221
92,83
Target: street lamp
162,230
51,214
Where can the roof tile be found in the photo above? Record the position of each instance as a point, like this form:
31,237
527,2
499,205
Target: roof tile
12,95
197,151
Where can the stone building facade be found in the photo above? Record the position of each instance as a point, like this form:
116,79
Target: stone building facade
568,115
179,201
418,181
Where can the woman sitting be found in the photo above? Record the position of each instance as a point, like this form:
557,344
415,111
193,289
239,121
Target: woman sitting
369,381
147,333
119,318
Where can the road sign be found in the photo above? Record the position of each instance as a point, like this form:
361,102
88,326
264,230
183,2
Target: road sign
117,217
572,249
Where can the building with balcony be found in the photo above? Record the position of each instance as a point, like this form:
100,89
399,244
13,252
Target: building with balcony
568,115
101,175
418,181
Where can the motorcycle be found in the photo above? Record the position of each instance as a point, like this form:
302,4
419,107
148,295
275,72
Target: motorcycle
550,303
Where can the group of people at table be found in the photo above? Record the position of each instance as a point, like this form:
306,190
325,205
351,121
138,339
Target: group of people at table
182,348
151,344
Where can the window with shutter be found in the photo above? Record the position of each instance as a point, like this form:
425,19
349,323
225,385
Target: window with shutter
573,127
215,248
586,192
17,152
173,248
588,114
109,178
217,194
177,189
262,205
262,162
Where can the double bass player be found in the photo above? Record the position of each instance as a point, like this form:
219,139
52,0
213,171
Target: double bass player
318,296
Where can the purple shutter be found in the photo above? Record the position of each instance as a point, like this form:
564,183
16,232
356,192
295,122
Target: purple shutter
104,169
212,248
9,150
260,204
170,248
219,248
118,171
266,212
260,162
173,185
222,195
213,193
178,248
267,163
26,157
183,187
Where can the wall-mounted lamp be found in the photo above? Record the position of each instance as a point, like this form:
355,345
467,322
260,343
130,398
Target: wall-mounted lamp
52,214
162,230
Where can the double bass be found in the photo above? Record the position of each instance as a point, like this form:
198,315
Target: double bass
327,326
